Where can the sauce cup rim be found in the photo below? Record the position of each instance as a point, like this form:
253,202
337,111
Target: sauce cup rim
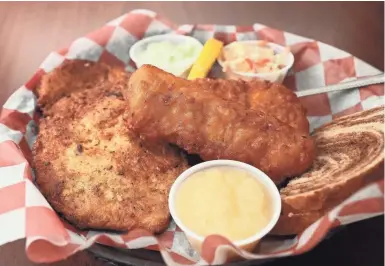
255,172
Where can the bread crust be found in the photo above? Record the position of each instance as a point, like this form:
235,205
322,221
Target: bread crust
300,210
294,221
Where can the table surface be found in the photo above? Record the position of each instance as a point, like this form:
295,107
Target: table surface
29,31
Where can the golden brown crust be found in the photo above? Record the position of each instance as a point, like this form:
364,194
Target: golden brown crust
95,172
189,115
350,155
72,76
274,99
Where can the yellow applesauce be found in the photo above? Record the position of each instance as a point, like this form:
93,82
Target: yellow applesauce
225,201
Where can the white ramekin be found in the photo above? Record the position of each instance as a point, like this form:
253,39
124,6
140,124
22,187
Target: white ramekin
276,76
173,38
248,244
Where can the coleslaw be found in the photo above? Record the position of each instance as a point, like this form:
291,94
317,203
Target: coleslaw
257,57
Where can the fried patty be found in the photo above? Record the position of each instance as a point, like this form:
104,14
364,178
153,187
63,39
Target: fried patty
76,75
95,172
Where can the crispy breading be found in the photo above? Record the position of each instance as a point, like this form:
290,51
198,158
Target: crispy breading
73,76
95,172
274,99
186,113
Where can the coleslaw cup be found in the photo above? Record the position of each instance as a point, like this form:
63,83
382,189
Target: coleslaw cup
248,244
275,76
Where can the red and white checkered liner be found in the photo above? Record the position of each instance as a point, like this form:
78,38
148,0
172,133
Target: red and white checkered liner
24,213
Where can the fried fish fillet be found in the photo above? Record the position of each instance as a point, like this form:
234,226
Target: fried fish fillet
274,99
188,114
95,172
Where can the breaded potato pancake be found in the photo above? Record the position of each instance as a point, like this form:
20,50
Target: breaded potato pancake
76,75
95,172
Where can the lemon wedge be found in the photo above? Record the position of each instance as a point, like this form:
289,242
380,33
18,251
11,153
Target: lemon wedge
210,52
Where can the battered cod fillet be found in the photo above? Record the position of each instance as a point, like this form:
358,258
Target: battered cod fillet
186,113
93,170
274,99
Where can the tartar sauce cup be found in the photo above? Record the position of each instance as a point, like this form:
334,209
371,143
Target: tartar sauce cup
251,242
183,69
275,76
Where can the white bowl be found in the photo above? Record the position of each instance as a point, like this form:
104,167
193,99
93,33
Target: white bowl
248,244
141,45
276,76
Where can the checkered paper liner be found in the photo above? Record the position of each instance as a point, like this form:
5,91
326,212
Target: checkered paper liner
24,212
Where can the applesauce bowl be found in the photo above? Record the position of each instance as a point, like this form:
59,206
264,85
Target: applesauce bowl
249,243
276,76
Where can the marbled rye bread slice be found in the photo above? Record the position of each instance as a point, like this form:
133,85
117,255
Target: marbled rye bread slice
350,152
